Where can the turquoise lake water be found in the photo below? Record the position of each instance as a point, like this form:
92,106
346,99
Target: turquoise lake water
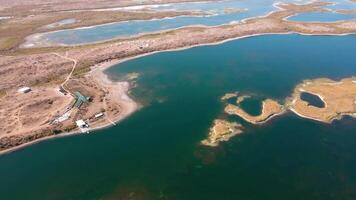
321,17
155,153
217,16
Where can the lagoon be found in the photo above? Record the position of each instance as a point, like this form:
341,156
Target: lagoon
215,15
321,17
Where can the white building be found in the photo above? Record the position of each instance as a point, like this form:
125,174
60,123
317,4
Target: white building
81,123
99,115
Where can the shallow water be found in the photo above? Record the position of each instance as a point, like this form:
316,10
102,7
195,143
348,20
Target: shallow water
155,153
216,16
321,17
61,23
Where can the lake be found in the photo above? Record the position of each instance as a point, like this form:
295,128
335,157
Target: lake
156,152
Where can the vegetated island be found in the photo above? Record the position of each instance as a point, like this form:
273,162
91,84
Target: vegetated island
339,98
270,108
75,73
221,130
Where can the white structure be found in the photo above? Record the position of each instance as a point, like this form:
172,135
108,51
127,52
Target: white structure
99,115
63,118
81,123
83,126
24,90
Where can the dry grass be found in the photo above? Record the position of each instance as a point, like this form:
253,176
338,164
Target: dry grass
339,98
20,116
28,7
269,108
221,131
23,26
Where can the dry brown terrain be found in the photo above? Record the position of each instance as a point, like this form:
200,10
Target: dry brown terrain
50,67
222,130
344,11
270,108
339,98
34,70
19,7
17,112
233,10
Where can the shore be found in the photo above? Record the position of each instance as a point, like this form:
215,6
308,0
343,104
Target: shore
118,89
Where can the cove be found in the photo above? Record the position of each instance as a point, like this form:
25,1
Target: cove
155,153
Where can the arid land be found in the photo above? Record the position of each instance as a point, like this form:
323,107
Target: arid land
79,68
339,98
270,108
25,7
221,131
15,29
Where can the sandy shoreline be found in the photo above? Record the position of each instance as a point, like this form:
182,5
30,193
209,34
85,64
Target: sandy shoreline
32,41
36,40
120,89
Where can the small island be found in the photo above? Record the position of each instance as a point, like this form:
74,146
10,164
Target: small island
221,130
322,100
229,96
270,108
339,98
